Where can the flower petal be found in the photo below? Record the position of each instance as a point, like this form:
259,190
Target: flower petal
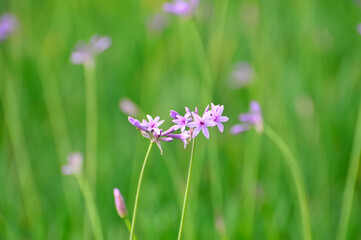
205,132
220,127
196,131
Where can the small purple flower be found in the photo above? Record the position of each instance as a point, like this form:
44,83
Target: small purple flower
181,7
84,53
202,123
251,119
120,204
150,129
152,125
241,75
75,164
128,107
217,116
181,121
8,24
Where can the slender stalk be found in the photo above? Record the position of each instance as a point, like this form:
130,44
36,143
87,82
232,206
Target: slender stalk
126,220
91,207
187,191
91,122
350,181
138,190
296,176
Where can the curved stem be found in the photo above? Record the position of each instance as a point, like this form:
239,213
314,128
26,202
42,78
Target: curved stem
350,181
91,122
296,176
91,207
138,190
187,191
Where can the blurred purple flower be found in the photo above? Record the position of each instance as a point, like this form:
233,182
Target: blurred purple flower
128,107
120,204
157,22
251,119
358,27
75,164
8,24
181,7
241,75
84,53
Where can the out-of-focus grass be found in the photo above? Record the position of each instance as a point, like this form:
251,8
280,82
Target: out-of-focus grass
303,52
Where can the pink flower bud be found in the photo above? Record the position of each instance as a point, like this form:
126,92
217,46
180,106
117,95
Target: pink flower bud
120,204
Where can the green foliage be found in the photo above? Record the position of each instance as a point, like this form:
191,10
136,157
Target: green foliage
307,79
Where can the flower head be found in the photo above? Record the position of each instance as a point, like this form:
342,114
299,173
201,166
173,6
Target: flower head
217,116
152,125
120,204
75,164
251,119
84,53
181,121
181,7
8,24
150,129
202,123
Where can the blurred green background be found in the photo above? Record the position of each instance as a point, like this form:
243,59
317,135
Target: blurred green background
307,80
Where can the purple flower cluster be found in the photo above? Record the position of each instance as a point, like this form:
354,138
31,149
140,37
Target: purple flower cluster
191,120
84,53
251,119
8,24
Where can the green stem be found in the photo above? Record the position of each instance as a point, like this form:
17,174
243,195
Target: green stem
138,190
187,191
350,181
296,175
91,207
91,122
27,184
126,220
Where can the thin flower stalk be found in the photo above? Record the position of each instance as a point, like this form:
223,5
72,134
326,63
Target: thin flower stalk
350,181
138,191
210,118
84,54
254,119
91,122
185,200
297,179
